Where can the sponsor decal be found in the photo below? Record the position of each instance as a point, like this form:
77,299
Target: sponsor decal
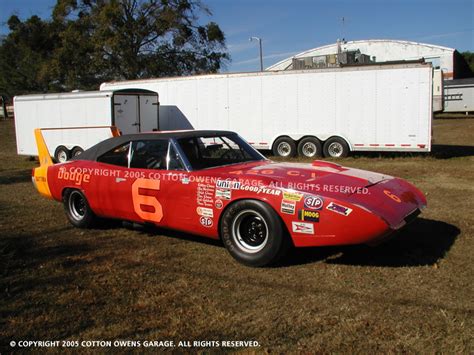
219,204
206,221
76,176
313,202
308,215
345,211
205,195
228,184
292,196
185,180
204,211
261,190
288,207
301,227
225,194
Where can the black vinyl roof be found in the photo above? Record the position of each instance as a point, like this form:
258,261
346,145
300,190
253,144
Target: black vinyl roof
103,147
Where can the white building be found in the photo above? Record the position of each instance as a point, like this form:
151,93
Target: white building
446,59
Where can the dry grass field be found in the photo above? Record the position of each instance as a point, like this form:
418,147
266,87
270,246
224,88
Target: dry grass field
413,294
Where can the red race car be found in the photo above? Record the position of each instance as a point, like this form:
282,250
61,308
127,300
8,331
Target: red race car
214,184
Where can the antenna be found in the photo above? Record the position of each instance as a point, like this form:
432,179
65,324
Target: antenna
343,22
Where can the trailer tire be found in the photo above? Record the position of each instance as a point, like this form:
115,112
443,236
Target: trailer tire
62,154
76,151
336,147
284,147
309,147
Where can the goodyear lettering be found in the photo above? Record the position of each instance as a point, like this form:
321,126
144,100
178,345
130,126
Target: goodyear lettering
261,190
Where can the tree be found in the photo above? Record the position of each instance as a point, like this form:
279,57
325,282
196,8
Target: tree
132,39
90,41
24,56
469,58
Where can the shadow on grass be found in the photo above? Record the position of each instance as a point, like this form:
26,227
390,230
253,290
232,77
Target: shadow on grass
151,231
28,251
424,242
444,151
15,176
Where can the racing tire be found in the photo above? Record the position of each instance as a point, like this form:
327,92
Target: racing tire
284,147
76,151
62,154
77,209
253,233
309,147
336,147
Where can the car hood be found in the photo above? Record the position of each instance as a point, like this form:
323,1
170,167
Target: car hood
300,176
390,198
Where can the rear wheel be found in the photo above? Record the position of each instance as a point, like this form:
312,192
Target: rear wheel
336,148
77,209
284,147
253,233
76,151
62,154
309,147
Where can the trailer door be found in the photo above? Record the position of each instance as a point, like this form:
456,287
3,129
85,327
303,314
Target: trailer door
148,105
126,113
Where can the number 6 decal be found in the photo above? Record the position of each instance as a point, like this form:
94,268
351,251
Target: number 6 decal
146,205
392,196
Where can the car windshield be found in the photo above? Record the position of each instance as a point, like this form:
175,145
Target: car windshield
204,152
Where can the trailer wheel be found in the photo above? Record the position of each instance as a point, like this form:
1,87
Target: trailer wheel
284,147
336,147
309,147
62,154
76,151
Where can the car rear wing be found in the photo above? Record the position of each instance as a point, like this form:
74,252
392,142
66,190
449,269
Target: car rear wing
43,152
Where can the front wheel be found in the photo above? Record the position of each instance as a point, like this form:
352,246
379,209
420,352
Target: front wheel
284,147
62,154
253,233
77,209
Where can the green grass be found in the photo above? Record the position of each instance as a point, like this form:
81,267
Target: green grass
413,294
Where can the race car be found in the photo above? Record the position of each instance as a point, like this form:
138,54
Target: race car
214,184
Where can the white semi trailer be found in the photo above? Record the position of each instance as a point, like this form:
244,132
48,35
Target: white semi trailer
75,121
309,112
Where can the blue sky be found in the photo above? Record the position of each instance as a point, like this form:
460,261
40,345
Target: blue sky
288,27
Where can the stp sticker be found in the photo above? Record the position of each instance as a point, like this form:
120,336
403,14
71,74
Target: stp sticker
301,227
345,211
204,211
206,221
219,204
308,215
313,202
288,207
